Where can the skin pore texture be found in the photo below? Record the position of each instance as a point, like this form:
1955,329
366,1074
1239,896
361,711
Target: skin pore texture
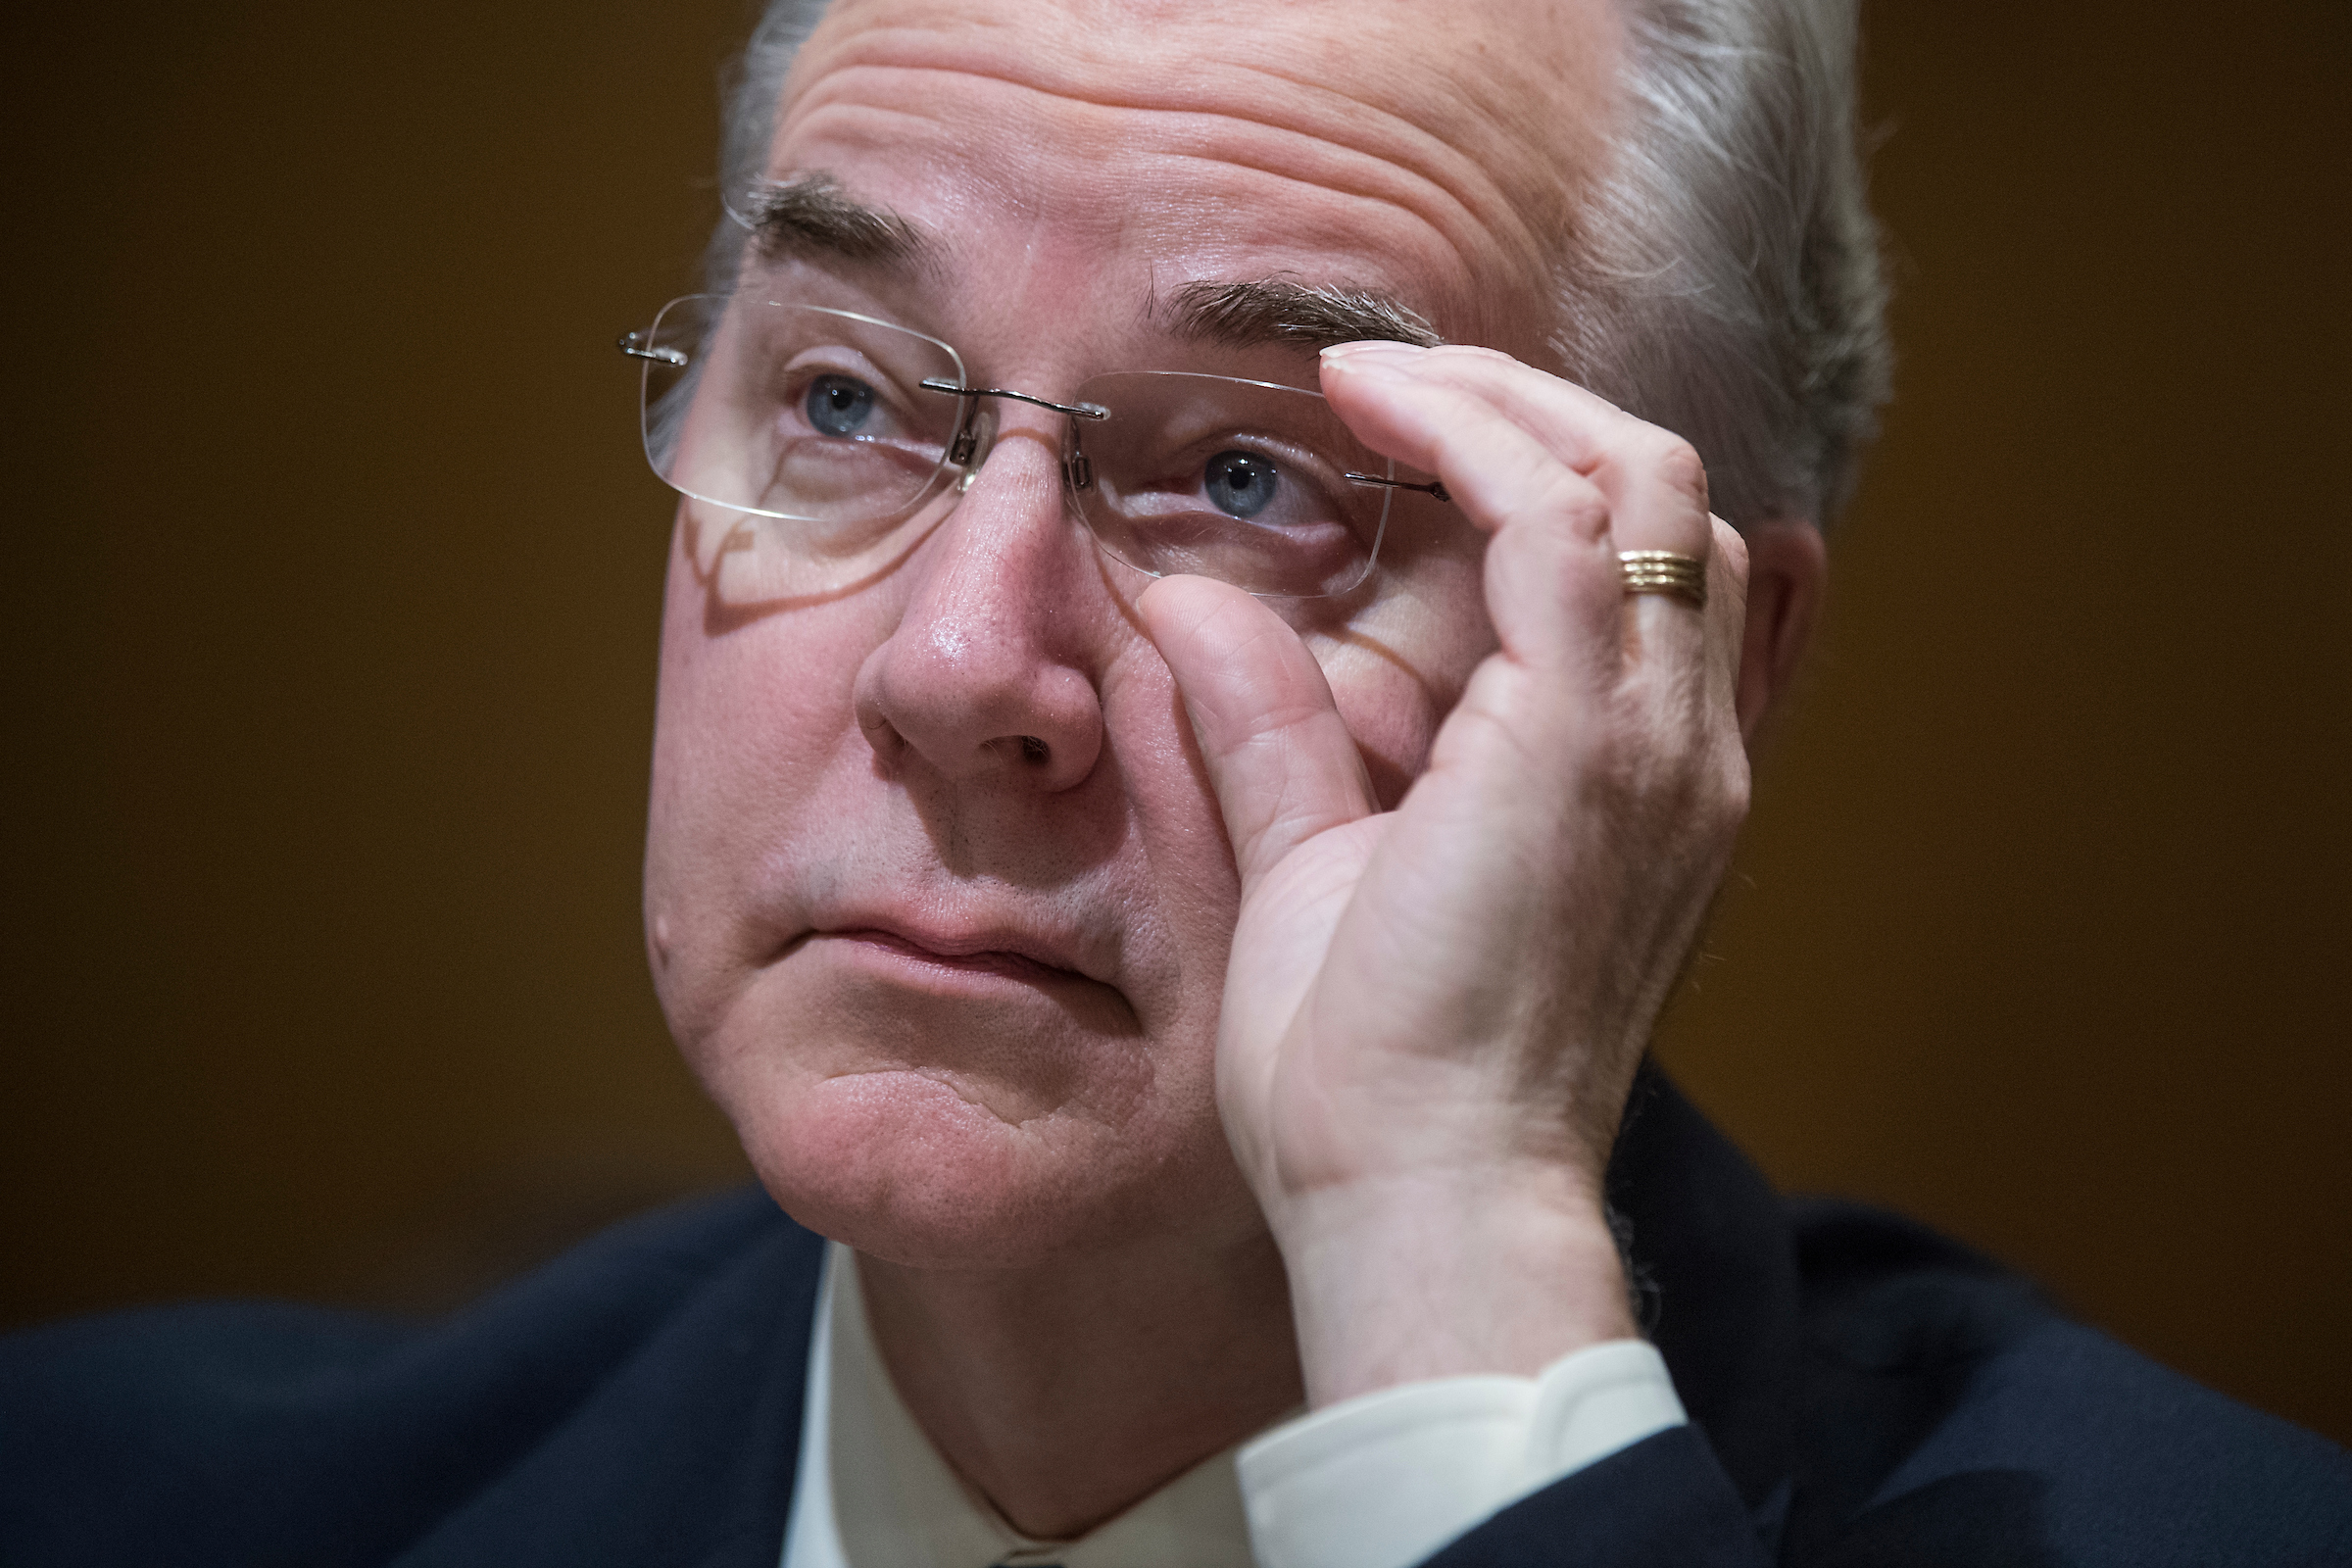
945,866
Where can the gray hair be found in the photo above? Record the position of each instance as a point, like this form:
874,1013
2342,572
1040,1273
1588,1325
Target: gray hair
1723,278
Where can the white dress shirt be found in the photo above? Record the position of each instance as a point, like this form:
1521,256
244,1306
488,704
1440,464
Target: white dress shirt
1376,1482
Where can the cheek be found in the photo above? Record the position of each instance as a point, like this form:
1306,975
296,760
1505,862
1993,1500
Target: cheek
1396,678
759,774
752,718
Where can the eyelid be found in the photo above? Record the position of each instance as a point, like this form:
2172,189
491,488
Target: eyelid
796,374
824,360
1317,502
1302,464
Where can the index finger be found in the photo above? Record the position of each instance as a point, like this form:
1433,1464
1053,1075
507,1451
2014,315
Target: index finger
1653,480
1278,754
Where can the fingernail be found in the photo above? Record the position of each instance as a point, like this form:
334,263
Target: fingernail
1375,348
1372,368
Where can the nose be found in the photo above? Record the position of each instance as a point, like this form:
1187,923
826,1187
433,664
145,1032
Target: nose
987,676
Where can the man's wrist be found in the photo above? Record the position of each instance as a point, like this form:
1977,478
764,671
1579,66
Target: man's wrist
1404,1278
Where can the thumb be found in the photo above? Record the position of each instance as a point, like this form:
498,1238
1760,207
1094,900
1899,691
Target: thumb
1283,764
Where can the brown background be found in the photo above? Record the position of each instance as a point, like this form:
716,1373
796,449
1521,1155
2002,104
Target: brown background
330,621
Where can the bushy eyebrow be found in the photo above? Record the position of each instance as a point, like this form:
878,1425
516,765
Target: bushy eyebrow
812,216
1278,311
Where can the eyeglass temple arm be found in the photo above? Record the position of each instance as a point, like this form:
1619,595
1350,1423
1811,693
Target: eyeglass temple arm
633,344
1435,488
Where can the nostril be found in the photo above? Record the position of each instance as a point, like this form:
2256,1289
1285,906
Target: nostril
1033,749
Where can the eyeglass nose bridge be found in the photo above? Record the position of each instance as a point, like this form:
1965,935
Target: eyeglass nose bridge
1079,467
970,438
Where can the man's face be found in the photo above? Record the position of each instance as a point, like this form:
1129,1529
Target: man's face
938,897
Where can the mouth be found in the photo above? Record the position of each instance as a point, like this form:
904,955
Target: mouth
987,959
995,952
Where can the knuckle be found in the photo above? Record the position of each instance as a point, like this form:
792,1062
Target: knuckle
1574,502
1704,783
1734,792
1677,464
1585,510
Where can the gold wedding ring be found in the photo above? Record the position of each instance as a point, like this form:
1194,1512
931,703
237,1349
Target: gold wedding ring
1664,571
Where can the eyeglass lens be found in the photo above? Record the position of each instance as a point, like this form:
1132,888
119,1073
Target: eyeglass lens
817,419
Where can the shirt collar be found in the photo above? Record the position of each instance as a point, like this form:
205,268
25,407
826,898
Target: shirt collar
884,1497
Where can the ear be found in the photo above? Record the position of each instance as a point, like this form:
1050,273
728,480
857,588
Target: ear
1788,571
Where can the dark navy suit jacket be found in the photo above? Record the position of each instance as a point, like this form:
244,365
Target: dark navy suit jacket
1861,1392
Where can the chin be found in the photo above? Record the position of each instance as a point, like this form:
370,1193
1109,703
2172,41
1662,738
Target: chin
975,1147
909,1169
955,1121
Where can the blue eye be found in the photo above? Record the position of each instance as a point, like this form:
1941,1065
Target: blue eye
1242,483
838,405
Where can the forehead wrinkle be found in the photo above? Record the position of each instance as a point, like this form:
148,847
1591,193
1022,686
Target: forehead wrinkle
1422,200
1458,184
1531,213
1339,243
842,83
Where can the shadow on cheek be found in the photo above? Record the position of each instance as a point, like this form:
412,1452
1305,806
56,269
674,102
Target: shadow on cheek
764,580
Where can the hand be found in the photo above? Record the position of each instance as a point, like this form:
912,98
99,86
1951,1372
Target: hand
1433,1015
